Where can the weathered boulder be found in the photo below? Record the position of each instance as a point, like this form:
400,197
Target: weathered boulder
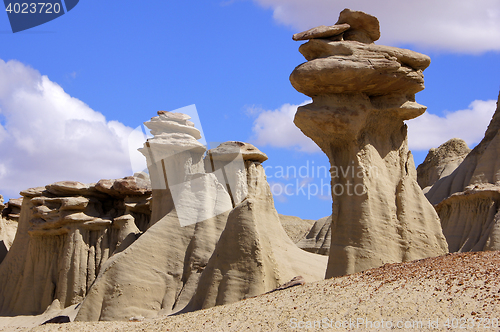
322,31
441,162
230,151
361,94
12,210
67,231
363,27
357,67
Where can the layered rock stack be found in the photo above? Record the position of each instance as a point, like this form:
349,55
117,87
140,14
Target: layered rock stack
468,200
9,217
11,210
67,231
361,94
319,238
173,155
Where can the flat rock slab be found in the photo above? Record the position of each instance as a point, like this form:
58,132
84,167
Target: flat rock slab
323,31
68,188
228,151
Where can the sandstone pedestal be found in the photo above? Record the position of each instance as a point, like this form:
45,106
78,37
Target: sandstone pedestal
361,94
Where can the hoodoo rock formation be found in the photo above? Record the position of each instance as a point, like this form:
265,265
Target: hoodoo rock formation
159,273
136,247
481,166
361,94
468,200
227,163
254,254
11,210
180,259
441,162
67,231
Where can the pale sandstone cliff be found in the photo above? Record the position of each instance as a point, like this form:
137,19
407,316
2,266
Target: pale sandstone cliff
441,162
254,254
296,228
468,199
67,230
481,165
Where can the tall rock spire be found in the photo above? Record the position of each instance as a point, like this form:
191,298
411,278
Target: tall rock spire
361,94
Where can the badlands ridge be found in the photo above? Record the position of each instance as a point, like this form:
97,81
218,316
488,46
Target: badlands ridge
198,244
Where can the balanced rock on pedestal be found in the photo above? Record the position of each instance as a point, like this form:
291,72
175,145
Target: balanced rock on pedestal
227,162
361,94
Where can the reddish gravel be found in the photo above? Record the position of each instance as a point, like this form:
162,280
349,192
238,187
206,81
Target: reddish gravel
456,291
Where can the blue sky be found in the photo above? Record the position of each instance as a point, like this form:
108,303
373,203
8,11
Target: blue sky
71,90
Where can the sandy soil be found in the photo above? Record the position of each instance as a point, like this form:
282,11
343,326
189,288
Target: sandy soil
456,291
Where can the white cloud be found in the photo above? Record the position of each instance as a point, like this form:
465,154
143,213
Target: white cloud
276,128
429,130
451,25
46,135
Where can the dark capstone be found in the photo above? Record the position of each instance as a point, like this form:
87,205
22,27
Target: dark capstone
58,320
